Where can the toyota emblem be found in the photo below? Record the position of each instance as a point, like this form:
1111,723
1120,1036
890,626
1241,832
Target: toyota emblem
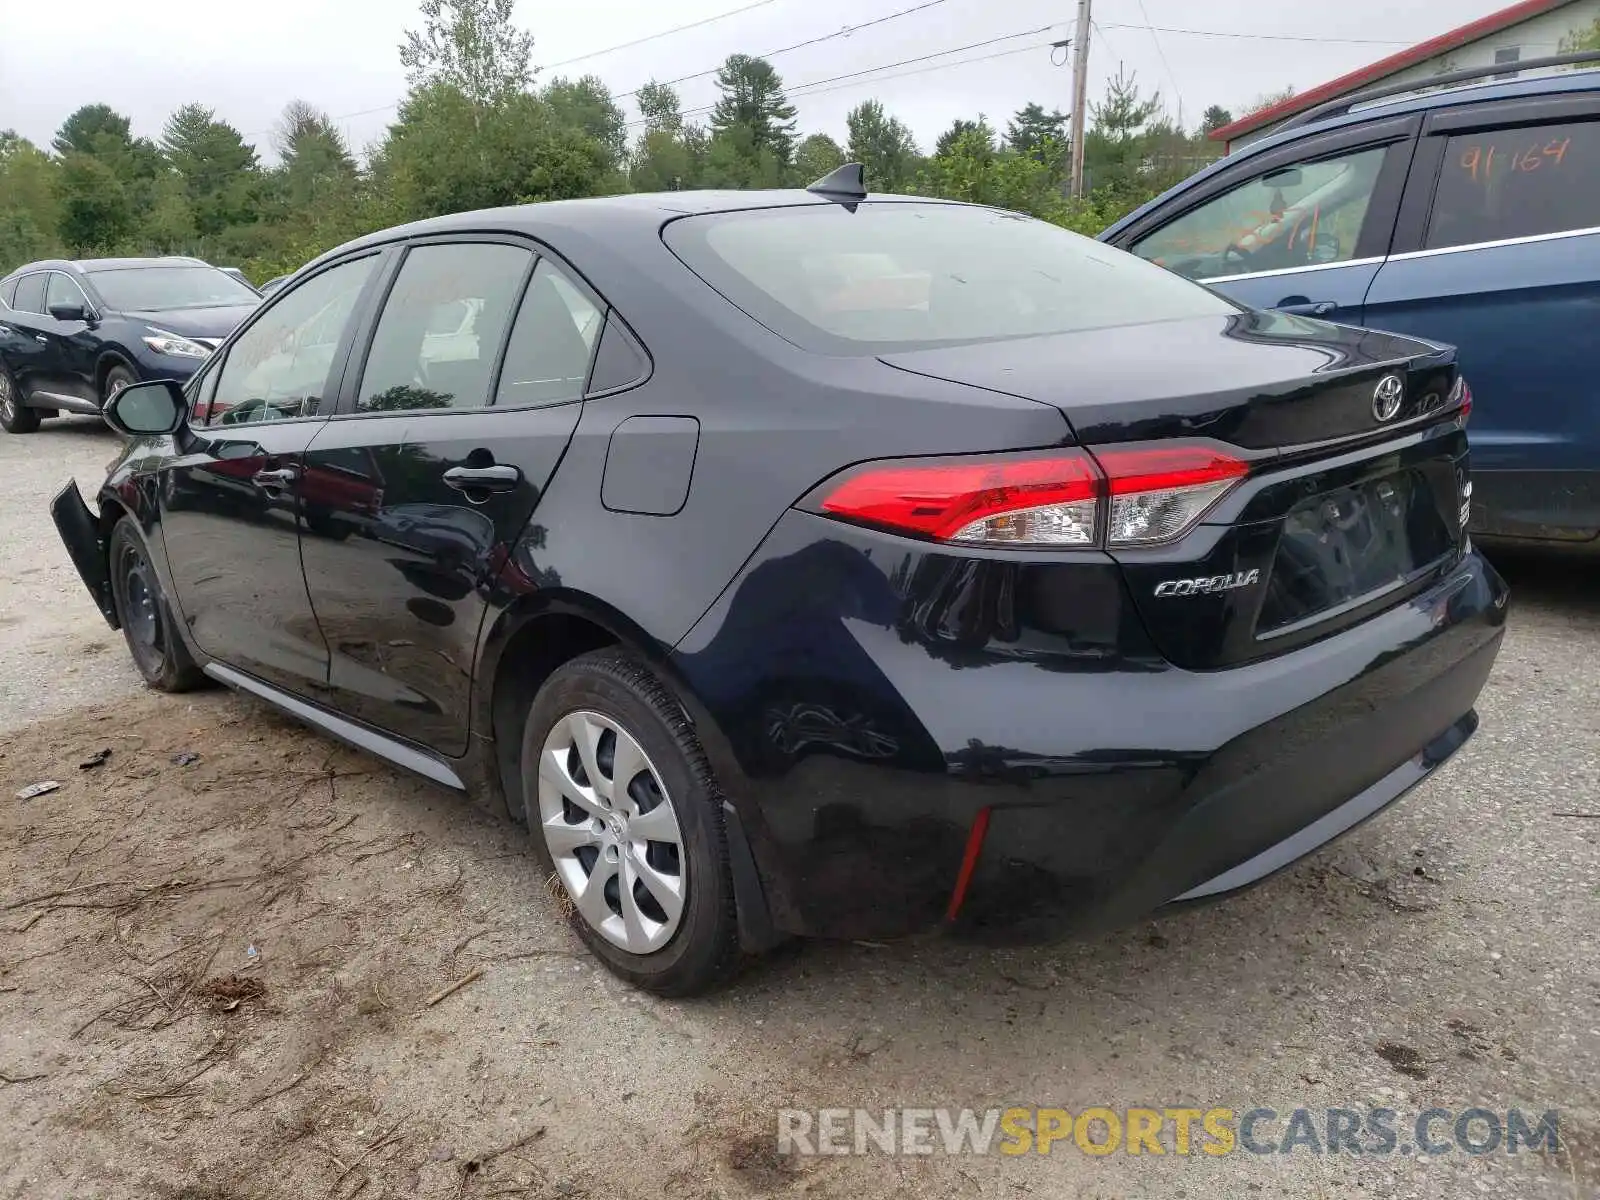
1386,397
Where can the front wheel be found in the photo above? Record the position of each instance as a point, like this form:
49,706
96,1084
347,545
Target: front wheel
145,616
117,378
626,820
15,417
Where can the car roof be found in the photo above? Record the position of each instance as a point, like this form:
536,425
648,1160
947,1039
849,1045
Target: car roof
129,264
1486,91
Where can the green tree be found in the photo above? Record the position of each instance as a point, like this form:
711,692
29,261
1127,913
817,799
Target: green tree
815,157
883,145
1117,144
447,154
752,117
1215,118
472,46
736,159
219,171
659,106
586,104
661,163
96,211
313,158
29,209
93,129
958,131
1033,130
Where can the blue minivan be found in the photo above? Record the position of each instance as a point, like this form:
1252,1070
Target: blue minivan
1468,215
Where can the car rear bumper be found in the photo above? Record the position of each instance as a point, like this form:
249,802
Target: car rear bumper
890,718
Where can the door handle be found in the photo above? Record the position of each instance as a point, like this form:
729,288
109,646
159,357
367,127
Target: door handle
1301,307
41,339
280,478
495,478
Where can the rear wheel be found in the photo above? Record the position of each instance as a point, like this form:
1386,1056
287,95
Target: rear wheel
146,619
626,820
15,417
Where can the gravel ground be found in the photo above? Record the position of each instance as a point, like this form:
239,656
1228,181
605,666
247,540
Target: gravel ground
56,649
229,996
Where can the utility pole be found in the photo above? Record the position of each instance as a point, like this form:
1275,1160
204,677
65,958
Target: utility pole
1080,93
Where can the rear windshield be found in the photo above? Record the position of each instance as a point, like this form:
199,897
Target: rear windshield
898,276
132,289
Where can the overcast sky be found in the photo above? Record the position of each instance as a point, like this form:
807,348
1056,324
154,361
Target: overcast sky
247,59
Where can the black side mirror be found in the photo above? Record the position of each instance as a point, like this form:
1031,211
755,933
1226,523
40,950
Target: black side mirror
69,312
147,409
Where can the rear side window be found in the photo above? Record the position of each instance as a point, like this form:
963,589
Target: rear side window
63,290
441,328
1508,183
547,360
30,293
898,276
8,291
1297,216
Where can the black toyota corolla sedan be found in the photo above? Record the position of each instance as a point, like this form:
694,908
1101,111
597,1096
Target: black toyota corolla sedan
816,563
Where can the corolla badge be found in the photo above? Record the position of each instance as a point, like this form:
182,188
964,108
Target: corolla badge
1208,583
1386,397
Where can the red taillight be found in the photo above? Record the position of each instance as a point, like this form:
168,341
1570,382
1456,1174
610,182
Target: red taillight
1047,500
1141,494
1466,401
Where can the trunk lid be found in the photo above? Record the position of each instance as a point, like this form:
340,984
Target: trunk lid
1256,380
1358,462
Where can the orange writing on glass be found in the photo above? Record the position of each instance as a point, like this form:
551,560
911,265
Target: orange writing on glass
1478,161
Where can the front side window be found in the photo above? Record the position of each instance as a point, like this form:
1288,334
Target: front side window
280,367
439,336
63,290
894,276
30,293
1517,183
158,289
547,360
1292,216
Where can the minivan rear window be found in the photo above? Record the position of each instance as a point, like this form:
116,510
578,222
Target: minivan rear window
893,276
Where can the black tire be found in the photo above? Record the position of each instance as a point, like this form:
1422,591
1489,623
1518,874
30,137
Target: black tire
15,417
117,378
146,618
703,951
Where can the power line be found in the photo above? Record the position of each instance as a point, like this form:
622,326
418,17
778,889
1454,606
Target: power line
826,37
815,86
1266,37
965,62
567,62
1171,78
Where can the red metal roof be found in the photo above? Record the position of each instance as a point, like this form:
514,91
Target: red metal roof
1384,67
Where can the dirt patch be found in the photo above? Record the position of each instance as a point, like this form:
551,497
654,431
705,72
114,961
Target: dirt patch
1403,1058
211,963
230,991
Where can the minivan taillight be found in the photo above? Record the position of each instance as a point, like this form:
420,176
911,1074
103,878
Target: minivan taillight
1114,496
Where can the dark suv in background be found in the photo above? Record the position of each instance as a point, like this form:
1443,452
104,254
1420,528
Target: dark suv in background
73,334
